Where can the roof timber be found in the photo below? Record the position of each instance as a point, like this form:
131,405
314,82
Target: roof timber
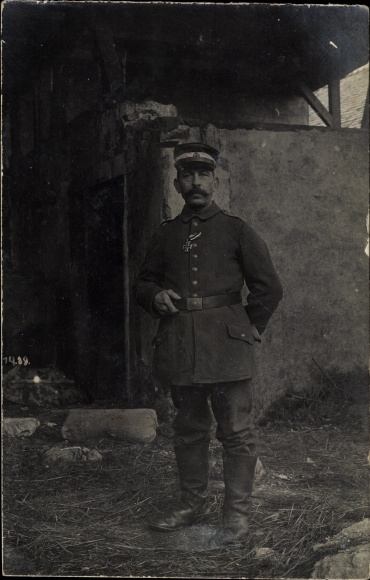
255,46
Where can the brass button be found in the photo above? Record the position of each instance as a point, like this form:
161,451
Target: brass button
194,282
195,295
195,269
195,223
243,334
195,255
195,302
194,245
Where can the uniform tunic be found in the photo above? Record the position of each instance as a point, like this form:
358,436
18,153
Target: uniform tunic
216,344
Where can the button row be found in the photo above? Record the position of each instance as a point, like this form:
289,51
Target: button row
194,268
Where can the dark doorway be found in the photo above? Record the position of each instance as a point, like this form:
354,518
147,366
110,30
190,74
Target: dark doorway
104,265
96,237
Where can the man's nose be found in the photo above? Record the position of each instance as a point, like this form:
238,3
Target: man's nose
196,178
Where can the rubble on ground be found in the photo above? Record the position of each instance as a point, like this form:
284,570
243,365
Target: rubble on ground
72,454
39,387
20,427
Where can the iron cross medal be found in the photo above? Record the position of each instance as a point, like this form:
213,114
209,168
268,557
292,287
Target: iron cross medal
188,244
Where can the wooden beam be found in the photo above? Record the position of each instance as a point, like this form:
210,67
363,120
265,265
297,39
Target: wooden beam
334,102
126,291
365,117
316,104
113,65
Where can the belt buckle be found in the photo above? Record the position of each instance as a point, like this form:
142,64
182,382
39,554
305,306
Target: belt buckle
194,303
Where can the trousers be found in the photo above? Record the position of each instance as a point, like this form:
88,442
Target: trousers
232,406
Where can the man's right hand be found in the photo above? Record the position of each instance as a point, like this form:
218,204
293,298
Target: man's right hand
163,303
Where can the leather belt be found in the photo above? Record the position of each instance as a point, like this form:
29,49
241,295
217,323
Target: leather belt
208,301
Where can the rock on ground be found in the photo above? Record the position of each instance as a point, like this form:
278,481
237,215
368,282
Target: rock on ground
265,554
72,454
260,471
136,425
353,559
349,564
355,534
20,427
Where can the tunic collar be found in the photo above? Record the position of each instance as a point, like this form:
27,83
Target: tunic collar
187,214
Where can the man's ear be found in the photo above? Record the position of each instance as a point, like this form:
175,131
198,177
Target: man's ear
177,185
216,181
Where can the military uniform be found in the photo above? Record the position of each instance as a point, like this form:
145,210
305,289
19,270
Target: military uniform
203,344
206,349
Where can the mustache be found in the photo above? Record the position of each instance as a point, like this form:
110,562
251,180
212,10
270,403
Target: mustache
197,189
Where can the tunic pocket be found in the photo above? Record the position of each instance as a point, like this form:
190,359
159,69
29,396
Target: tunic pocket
169,355
244,333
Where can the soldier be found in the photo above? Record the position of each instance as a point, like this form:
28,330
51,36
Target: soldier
191,279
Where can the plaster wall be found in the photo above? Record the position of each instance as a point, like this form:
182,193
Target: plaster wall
306,193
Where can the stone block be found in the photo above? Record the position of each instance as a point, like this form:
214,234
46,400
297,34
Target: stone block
150,110
137,425
20,427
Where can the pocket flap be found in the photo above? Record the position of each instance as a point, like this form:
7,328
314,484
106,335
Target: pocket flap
244,333
159,338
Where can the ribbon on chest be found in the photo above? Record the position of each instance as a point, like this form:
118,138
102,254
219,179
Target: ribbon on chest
188,244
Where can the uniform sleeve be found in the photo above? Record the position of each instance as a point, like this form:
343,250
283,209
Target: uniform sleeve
265,288
150,278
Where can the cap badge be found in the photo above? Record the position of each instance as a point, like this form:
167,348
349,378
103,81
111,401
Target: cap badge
196,155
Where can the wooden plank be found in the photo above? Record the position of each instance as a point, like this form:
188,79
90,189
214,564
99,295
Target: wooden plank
334,102
365,117
316,104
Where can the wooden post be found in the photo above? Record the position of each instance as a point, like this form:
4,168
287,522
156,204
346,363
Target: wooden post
334,102
316,104
126,288
124,71
111,61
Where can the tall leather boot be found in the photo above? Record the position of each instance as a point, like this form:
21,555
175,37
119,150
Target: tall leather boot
192,463
238,477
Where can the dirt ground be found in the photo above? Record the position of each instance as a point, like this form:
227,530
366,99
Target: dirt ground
90,518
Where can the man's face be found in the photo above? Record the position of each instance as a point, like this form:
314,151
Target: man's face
196,184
